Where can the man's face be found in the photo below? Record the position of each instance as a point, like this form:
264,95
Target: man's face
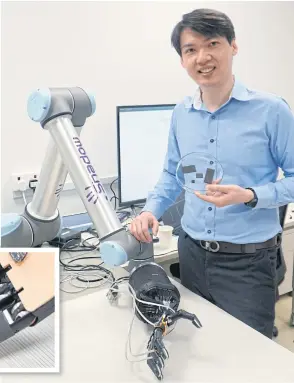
208,61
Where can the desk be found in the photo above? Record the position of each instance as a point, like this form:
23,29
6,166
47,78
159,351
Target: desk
225,350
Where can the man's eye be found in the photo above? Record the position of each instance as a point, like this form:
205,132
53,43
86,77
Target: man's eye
214,43
190,50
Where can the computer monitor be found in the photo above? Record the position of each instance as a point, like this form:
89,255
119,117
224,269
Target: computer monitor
142,139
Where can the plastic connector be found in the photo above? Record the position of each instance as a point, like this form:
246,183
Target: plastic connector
23,188
33,184
22,185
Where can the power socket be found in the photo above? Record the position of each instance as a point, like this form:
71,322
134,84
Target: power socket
24,178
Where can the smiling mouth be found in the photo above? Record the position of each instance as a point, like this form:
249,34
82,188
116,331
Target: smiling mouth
206,71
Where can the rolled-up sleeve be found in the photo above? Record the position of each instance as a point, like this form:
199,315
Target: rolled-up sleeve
281,132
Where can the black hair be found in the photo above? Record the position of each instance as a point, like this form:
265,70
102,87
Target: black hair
207,22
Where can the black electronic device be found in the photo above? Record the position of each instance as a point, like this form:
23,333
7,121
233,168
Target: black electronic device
157,303
66,235
150,283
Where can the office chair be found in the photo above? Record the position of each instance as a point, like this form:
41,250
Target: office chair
281,264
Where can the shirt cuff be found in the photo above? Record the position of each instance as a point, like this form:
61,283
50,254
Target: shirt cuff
153,208
264,195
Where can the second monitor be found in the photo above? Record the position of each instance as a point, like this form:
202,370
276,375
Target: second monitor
142,139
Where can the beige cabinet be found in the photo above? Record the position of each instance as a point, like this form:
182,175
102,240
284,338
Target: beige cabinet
288,250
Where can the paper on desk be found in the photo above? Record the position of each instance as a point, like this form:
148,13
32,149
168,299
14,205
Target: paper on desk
31,348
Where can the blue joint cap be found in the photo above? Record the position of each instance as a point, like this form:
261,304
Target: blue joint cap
9,223
38,105
93,102
113,254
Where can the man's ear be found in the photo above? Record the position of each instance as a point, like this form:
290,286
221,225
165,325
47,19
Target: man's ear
234,47
182,63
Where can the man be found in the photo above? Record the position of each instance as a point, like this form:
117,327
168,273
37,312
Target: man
251,134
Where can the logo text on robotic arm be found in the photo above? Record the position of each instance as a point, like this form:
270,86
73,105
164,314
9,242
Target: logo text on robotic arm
96,187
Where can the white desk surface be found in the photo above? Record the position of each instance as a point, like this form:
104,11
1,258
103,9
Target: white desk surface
160,253
93,334
93,337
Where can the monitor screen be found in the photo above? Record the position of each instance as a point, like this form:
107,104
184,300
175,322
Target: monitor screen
142,137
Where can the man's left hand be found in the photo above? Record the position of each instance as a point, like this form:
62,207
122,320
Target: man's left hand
224,195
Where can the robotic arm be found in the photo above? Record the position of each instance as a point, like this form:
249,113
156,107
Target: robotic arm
63,112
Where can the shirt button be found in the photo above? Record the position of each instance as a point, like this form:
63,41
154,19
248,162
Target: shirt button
213,117
212,140
209,231
210,208
211,162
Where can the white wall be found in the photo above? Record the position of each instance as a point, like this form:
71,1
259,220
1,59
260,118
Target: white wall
122,52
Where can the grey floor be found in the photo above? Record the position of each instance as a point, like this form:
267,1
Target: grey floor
286,333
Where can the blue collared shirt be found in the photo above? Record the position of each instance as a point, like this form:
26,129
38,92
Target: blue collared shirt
251,136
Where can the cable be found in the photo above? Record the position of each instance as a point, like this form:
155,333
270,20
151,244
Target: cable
115,199
22,188
113,192
81,246
134,211
135,307
150,304
84,272
90,245
77,274
24,197
128,347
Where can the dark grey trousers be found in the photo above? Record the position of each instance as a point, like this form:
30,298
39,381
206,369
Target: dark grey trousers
244,285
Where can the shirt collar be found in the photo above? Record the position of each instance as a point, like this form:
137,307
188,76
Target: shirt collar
239,92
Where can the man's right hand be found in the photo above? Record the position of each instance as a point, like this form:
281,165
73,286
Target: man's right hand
141,224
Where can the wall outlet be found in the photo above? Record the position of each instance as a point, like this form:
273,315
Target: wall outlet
24,177
16,178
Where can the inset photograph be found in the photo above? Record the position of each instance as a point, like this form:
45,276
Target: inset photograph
29,310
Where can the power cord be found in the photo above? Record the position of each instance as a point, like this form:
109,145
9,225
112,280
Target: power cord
134,210
113,192
22,188
80,272
112,294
